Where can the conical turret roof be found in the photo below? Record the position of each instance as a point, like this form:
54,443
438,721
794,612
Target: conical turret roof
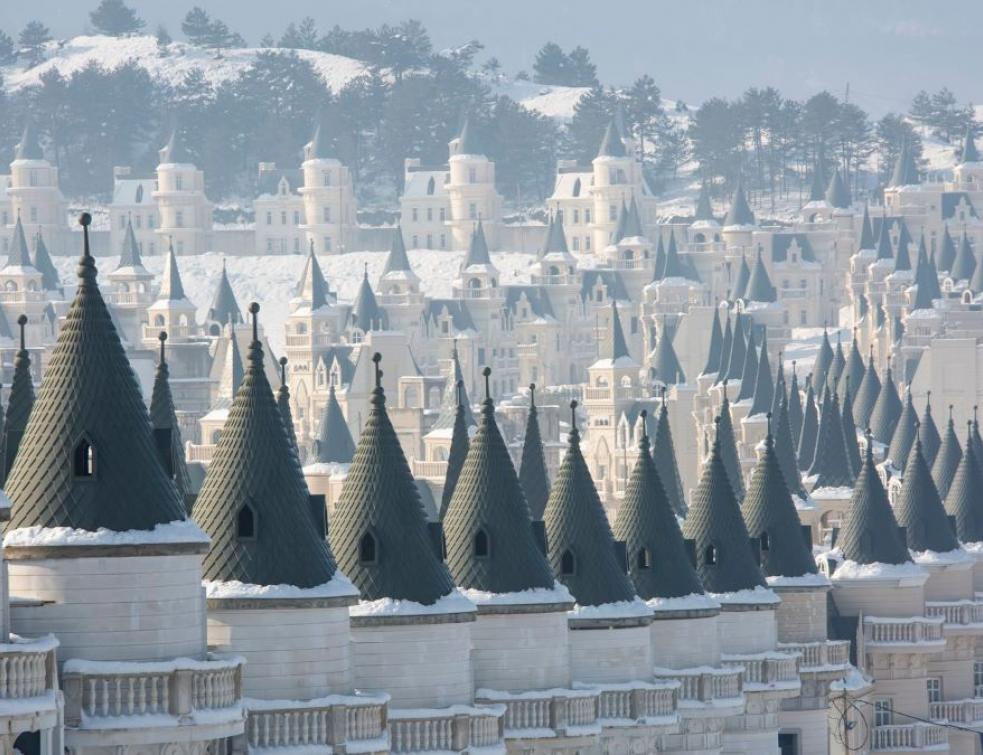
728,448
19,403
716,342
976,282
171,287
947,459
904,434
283,404
533,476
926,279
664,455
582,552
19,256
948,256
850,431
29,147
674,265
726,346
785,449
738,351
176,150
312,286
965,263
905,170
739,212
824,359
975,436
621,226
468,142
866,231
704,209
366,313
867,393
665,362
838,193
885,250
87,458
886,412
42,261
764,389
130,253
969,153
836,367
556,238
809,432
870,533
398,260
795,413
619,348
460,443
163,417
658,564
817,192
334,440
919,509
749,372
451,400
831,464
225,309
322,146
611,144
853,370
379,533
962,498
771,517
489,535
478,253
633,223
902,260
740,284
725,561
759,287
928,433
780,392
660,260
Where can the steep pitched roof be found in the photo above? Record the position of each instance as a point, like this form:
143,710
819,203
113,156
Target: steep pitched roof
90,419
312,286
976,282
926,279
620,227
334,442
928,433
836,367
870,533
969,152
29,147
738,351
478,249
850,432
225,309
759,287
764,389
886,412
659,269
397,260
19,255
809,432
176,150
283,404
42,261
322,146
726,346
795,413
866,231
838,193
451,400
823,361
163,417
728,448
468,142
716,341
171,286
556,238
749,372
962,498
379,533
366,313
739,212
785,449
902,260
619,348
831,463
130,253
867,393
674,266
533,476
948,256
704,210
489,535
904,434
853,370
743,276
460,444
664,455
577,531
919,509
965,263
665,363
885,250
725,561
633,223
780,391
658,564
771,517
19,404
611,143
947,459
905,170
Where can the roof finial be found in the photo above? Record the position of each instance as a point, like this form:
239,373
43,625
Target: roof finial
376,358
950,412
645,432
311,245
768,438
365,271
162,337
87,266
725,390
254,311
22,321
870,444
532,395
573,419
793,368
487,373
928,400
283,371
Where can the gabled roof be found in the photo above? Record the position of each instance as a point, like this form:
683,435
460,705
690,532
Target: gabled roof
42,261
886,412
163,417
29,147
478,249
90,401
764,388
962,500
379,533
312,286
725,561
870,533
795,410
490,541
866,231
749,372
611,144
458,453
533,476
950,201
665,363
739,212
366,313
658,564
785,449
664,456
397,260
536,296
610,279
947,459
225,309
919,509
738,351
176,150
759,287
809,432
969,153
867,393
905,170
904,434
618,346
728,448
831,464
20,401
965,264
457,310
838,193
743,276
928,433
716,338
782,242
948,256
770,516
850,432
577,531
19,256
334,440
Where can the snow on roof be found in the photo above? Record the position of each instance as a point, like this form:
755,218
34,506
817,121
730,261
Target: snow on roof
134,191
853,570
693,602
564,188
625,609
453,602
338,587
533,596
418,183
179,531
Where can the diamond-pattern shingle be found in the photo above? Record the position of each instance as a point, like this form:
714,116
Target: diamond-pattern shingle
334,442
163,417
533,476
20,401
919,509
962,501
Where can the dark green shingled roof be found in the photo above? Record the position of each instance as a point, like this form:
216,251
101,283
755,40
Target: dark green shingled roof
947,459
397,258
764,388
965,263
975,436
533,476
902,260
577,527
759,287
969,153
976,282
919,508
885,250
176,150
659,271
312,286
171,287
658,564
716,341
779,391
664,456
771,517
468,142
254,473
380,505
835,367
478,249
838,193
225,308
726,346
618,346
886,412
904,435
42,261
926,279
674,266
130,253
785,449
739,212
489,535
824,359
90,398
817,191
460,443
725,561
853,370
809,431
704,210
795,413
866,398
556,238
28,148
948,256
749,372
905,170
866,231
962,500
334,442
743,276
738,350
928,433
665,363
870,533
366,313
728,448
163,417
283,404
633,223
831,464
451,400
19,255
850,431
19,404
611,144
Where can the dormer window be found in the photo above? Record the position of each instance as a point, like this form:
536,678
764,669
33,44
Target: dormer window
765,542
568,564
642,559
367,551
246,523
710,556
482,547
84,459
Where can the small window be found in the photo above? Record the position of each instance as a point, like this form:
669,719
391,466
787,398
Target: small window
430,187
481,544
367,553
642,560
246,523
883,712
568,564
710,557
765,541
84,460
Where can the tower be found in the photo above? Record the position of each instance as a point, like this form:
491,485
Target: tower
471,189
34,194
329,199
185,212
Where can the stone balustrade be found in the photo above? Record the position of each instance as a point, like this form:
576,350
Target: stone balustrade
765,669
605,393
332,721
907,737
704,684
150,332
129,297
552,712
831,654
910,633
199,453
98,689
456,729
435,470
956,612
957,711
637,701
27,668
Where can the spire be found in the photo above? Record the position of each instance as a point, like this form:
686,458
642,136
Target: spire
926,280
87,458
19,255
928,433
619,229
905,170
919,509
867,393
962,498
42,262
704,209
633,223
779,392
658,564
716,338
366,313
29,148
130,253
759,287
460,443
866,231
739,212
556,237
817,192
886,412
664,456
738,351
969,153
451,401
283,403
824,359
850,431
581,547
870,533
770,516
478,249
397,259
831,464
334,442
312,286
725,561
665,363
836,367
726,346
379,533
810,430
533,476
322,146
674,266
884,249
19,403
467,140
728,448
785,449
225,309
171,287
965,264
947,459
611,144
163,417
619,348
902,262
948,256
660,260
976,282
838,193
795,413
749,373
904,434
743,276
490,541
176,150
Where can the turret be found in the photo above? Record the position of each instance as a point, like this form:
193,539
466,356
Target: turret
329,199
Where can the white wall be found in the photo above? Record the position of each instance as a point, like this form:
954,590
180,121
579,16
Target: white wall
685,643
610,655
521,651
747,631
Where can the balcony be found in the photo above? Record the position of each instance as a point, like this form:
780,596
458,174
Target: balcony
150,332
606,393
831,655
959,616
765,672
916,634
459,729
908,737
28,675
958,711
129,298
635,703
554,280
356,722
429,470
705,685
202,454
546,713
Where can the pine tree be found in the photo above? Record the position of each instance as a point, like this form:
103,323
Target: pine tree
921,106
591,116
115,19
163,37
197,26
644,111
7,52
582,71
551,65
32,40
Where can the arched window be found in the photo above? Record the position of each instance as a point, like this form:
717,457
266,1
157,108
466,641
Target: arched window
216,436
710,557
699,238
642,560
482,547
367,552
246,523
10,286
84,459
215,329
474,283
159,321
430,187
568,564
576,188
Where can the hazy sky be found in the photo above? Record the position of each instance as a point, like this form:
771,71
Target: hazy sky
885,49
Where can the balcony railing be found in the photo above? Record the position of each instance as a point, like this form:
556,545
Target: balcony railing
329,722
961,612
150,332
100,689
605,393
452,729
907,736
27,668
636,701
430,469
957,711
703,684
831,654
910,632
765,669
198,453
564,712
